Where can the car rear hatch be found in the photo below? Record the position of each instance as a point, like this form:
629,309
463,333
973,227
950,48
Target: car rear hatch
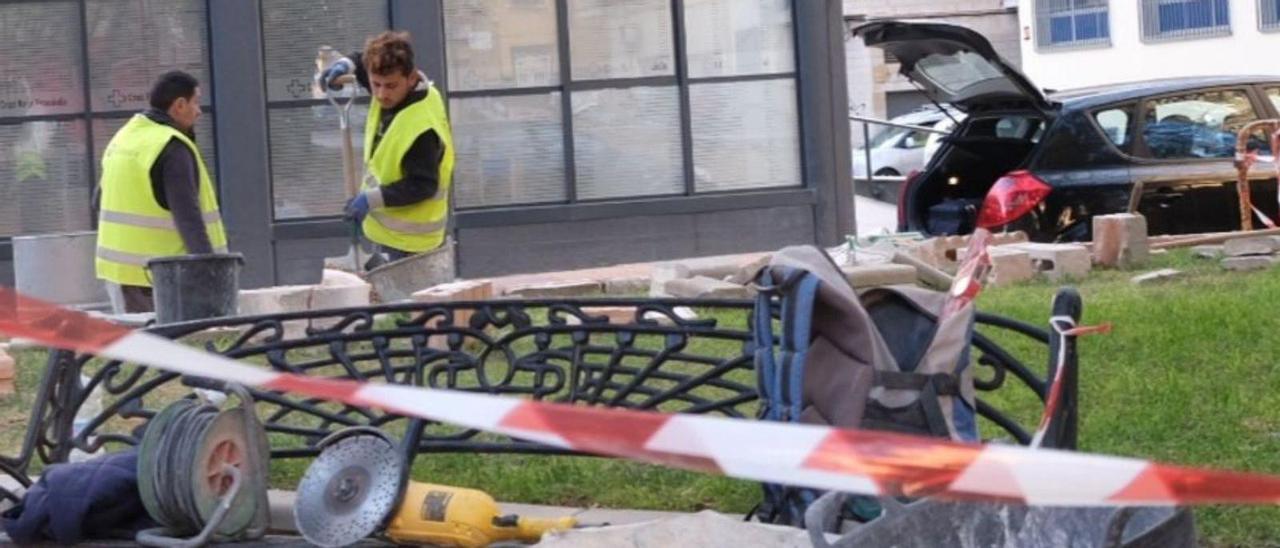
954,65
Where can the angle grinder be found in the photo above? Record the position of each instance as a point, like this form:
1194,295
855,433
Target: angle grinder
354,489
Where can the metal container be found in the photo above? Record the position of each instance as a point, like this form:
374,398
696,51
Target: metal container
397,281
59,268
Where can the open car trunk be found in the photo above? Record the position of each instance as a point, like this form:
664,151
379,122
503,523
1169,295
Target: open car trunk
946,198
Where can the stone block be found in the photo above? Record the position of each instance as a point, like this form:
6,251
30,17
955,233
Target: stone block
718,267
1058,261
747,272
338,278
1249,262
1243,247
274,300
703,287
617,315
944,252
461,290
1212,252
663,273
1157,276
1120,240
1010,266
558,290
630,286
879,275
278,300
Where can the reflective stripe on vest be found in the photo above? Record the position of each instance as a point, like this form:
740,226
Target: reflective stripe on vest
133,228
419,227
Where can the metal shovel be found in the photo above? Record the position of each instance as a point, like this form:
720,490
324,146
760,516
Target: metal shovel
350,176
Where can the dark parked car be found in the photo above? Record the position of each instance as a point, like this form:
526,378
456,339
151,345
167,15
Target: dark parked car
1164,148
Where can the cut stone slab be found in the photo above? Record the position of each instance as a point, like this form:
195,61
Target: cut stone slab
1207,251
634,285
461,290
705,528
1248,262
338,278
747,272
1010,266
944,251
719,267
1242,247
879,275
1120,240
663,273
703,287
555,290
278,300
1058,261
1157,276
8,374
683,313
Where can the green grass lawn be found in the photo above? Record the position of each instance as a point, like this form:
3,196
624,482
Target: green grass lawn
1190,375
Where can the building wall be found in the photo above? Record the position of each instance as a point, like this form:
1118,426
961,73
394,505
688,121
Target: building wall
1246,51
876,89
739,130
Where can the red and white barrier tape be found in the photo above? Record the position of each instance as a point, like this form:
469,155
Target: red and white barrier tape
853,461
1063,327
971,275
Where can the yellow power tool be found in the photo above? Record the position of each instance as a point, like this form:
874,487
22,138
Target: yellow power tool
356,488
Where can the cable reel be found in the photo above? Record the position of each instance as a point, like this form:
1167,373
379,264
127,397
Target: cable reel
202,472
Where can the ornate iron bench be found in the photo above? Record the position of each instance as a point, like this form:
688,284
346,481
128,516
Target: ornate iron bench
631,353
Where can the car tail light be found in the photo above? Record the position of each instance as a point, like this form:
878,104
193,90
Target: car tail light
1013,196
902,198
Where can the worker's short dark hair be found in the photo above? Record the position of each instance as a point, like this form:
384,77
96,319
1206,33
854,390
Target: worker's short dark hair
171,86
389,53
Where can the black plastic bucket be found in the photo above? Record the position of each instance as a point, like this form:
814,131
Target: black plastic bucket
194,287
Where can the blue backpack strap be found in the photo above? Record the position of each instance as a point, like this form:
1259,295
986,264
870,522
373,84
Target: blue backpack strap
802,315
766,363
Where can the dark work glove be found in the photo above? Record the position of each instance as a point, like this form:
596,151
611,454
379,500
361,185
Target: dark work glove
341,67
356,208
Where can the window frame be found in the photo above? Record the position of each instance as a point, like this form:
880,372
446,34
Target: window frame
1158,36
567,86
1041,29
1134,107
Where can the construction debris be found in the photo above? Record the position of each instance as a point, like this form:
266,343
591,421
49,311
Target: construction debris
705,528
1157,276
1120,240
1249,262
1213,252
8,373
1254,245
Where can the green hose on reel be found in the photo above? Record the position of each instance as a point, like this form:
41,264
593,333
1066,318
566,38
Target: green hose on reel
202,472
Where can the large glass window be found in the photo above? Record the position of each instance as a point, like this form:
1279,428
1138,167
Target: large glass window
640,122
306,143
1069,23
1178,19
45,180
1115,125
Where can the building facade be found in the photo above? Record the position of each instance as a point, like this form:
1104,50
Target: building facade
588,132
876,89
1079,43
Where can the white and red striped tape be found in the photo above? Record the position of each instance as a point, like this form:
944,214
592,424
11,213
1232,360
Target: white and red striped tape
854,461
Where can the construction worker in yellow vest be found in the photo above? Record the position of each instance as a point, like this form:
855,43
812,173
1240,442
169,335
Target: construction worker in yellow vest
408,150
155,198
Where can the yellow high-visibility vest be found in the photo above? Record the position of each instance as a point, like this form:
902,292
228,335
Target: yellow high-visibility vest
419,227
132,227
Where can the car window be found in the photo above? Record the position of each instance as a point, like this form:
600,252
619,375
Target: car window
1274,95
1115,125
890,134
1007,127
914,140
1196,125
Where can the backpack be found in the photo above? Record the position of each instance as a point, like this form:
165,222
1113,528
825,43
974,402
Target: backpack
880,360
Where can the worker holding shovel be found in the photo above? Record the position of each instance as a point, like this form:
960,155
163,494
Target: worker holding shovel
403,203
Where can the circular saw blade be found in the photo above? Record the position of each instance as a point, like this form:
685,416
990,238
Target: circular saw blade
348,491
